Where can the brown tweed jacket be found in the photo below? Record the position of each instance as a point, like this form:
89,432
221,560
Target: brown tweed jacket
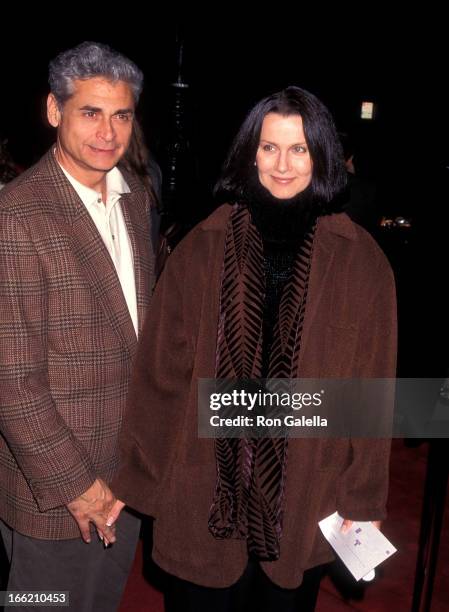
168,472
66,346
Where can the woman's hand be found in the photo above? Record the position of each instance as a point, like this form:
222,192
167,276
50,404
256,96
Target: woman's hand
347,523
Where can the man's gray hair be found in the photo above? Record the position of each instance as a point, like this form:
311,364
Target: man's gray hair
89,60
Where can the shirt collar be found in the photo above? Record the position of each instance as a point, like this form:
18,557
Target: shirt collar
115,186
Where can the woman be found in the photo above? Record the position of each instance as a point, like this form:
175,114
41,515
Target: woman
273,283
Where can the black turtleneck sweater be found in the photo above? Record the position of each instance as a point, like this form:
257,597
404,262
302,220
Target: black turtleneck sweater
282,224
278,261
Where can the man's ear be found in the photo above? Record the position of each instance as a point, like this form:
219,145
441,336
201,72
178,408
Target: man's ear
53,112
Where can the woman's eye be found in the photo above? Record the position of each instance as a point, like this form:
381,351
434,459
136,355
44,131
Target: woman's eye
299,149
267,147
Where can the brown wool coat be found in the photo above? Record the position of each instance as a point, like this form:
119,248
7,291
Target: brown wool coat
66,346
166,471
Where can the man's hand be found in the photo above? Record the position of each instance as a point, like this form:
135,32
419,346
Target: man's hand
114,513
346,526
93,506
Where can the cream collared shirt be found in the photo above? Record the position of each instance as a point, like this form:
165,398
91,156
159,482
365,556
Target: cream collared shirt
109,221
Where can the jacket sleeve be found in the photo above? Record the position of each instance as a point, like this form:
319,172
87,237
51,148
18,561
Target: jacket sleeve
158,396
363,486
53,462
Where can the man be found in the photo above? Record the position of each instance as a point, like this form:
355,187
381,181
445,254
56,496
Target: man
362,202
76,272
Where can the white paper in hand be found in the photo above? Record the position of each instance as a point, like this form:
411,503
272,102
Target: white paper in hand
361,548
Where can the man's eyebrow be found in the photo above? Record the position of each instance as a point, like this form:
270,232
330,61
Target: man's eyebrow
97,109
124,111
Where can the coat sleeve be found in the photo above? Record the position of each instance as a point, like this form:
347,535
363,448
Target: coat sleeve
158,396
54,463
363,486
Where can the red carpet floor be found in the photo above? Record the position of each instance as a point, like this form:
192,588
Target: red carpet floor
393,588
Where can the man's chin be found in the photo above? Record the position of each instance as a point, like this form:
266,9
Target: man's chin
104,167
103,163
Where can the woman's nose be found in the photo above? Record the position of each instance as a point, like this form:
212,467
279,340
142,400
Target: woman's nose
282,162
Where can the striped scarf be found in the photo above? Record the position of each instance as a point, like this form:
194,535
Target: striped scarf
248,499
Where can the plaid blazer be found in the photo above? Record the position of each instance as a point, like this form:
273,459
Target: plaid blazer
66,346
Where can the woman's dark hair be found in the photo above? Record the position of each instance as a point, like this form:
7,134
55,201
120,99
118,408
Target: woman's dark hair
139,160
329,173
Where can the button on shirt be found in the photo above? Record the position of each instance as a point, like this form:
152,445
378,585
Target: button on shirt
109,221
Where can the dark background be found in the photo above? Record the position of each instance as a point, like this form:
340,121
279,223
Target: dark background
230,64
399,62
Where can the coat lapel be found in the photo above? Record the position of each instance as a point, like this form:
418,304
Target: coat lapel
138,225
92,254
100,272
322,276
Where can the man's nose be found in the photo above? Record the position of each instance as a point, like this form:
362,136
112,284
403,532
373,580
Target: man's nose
106,130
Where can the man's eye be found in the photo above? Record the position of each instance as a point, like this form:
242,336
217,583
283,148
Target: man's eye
90,114
123,117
